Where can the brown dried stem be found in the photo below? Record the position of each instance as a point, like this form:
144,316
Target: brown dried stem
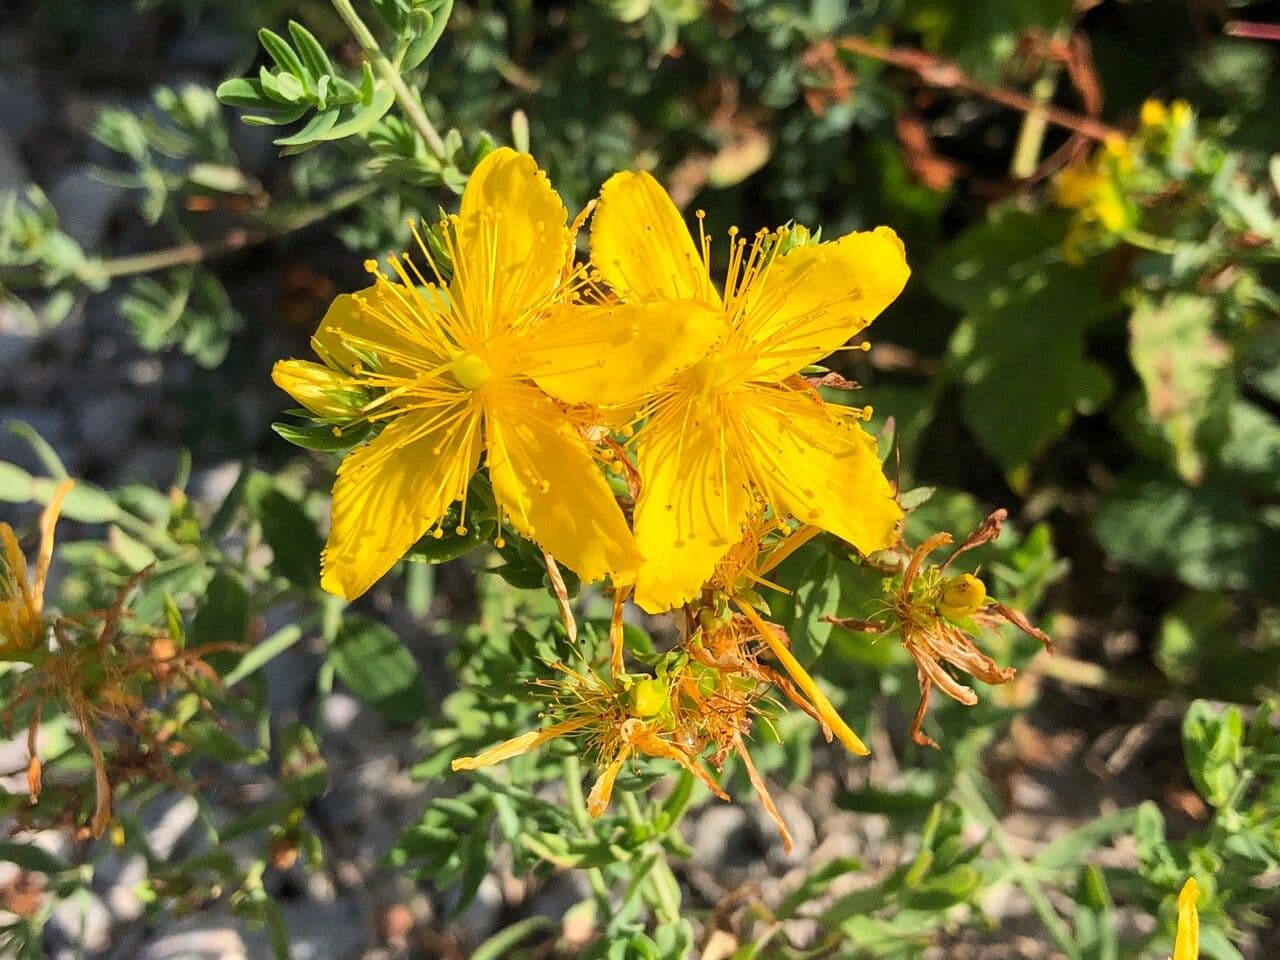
945,75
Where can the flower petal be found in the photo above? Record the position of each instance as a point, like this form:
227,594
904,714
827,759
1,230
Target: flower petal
387,320
547,482
818,465
48,520
394,489
518,745
1186,945
693,501
611,354
641,246
812,300
805,682
602,789
512,242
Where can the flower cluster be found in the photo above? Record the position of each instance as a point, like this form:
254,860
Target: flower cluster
94,666
505,359
1107,193
503,351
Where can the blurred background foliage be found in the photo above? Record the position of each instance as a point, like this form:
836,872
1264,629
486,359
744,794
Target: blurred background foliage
1088,195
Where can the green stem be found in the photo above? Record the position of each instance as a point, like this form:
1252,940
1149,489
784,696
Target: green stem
664,881
241,238
628,906
1026,153
572,769
1150,242
1015,866
408,102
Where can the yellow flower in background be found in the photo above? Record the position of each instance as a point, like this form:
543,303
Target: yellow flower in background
739,425
1186,943
1153,114
22,625
485,365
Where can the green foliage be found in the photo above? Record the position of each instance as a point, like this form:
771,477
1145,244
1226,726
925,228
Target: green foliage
304,82
190,311
1116,383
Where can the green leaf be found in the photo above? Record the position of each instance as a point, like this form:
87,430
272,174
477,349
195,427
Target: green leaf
1071,847
377,668
1182,365
1013,361
1021,346
1212,741
207,738
1094,919
1012,263
291,534
1206,536
1251,451
427,20
16,484
499,946
313,131
45,453
321,436
310,50
241,92
259,655
224,614
982,37
280,51
30,857
85,502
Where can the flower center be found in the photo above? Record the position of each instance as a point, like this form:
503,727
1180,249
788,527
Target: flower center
712,372
470,371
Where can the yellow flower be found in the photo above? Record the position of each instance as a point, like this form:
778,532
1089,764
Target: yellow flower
739,425
1153,114
22,624
1186,943
1180,114
485,365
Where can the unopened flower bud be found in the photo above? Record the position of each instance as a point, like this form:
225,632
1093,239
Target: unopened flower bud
326,392
962,597
1153,114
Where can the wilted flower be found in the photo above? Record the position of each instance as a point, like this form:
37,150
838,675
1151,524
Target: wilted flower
22,621
727,631
88,664
613,719
938,618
